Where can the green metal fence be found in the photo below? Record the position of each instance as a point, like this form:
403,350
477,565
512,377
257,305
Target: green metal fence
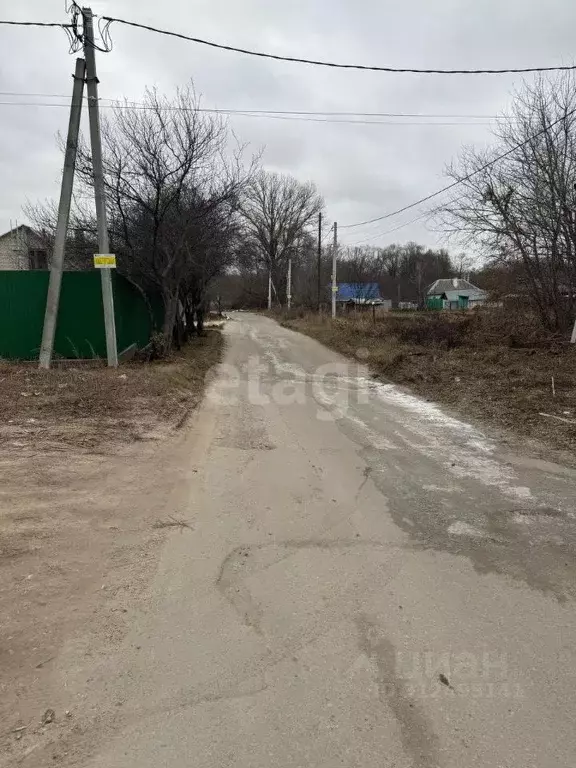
80,327
434,302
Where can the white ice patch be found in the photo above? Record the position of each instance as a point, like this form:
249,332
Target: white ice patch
522,519
430,412
522,492
339,410
462,449
488,471
375,439
460,528
442,488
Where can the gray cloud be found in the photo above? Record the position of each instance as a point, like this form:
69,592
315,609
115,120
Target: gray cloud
363,171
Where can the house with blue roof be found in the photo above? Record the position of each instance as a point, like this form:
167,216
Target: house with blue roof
359,294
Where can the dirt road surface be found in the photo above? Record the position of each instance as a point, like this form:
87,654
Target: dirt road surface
365,581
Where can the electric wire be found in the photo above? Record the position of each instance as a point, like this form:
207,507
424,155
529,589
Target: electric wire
33,23
299,112
464,179
320,63
378,235
258,114
105,22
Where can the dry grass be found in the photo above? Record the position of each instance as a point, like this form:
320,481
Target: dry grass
88,406
486,365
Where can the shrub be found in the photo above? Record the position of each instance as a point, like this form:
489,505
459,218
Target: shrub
440,329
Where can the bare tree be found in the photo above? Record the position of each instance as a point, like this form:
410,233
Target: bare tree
81,242
463,263
521,209
277,210
169,179
173,185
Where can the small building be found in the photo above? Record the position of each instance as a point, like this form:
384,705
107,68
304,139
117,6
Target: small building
359,294
23,248
454,293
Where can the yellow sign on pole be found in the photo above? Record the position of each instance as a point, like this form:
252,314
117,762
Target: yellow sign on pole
105,261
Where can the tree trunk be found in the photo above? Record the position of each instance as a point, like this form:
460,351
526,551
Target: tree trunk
190,327
179,335
200,319
170,311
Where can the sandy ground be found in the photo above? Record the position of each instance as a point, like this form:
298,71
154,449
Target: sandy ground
77,544
359,579
82,518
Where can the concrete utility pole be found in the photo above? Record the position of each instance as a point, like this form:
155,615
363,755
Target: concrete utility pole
269,288
99,192
57,265
319,260
289,283
573,336
334,262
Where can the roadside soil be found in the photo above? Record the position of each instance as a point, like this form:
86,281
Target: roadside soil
497,370
85,462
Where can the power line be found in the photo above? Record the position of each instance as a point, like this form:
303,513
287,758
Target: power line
293,59
464,178
376,114
291,111
320,63
349,122
327,233
72,29
45,95
35,24
394,229
367,114
425,214
249,113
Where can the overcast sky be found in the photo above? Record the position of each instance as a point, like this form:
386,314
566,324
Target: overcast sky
363,171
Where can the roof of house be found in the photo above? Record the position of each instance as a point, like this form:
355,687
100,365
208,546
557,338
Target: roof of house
358,292
21,228
455,286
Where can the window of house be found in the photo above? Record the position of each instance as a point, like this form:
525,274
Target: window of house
38,258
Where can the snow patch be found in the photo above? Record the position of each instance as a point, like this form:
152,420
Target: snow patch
460,528
462,449
376,439
522,492
442,488
430,412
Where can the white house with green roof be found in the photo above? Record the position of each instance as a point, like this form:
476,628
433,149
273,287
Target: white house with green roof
454,293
